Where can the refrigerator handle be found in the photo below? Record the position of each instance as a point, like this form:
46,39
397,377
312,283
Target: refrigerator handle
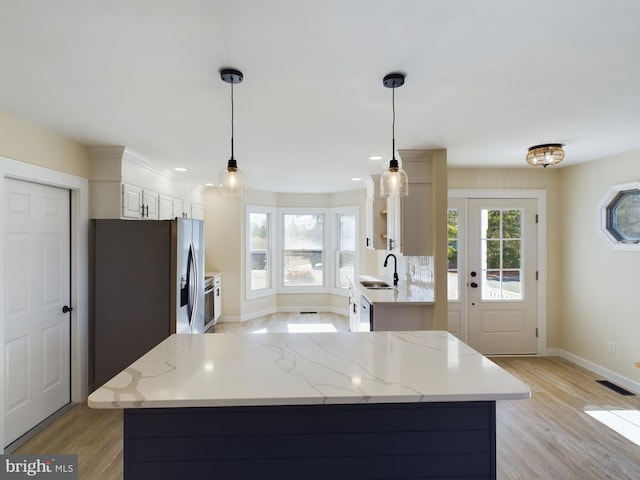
193,285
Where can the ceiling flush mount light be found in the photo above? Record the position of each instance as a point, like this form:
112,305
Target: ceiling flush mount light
231,180
545,155
394,181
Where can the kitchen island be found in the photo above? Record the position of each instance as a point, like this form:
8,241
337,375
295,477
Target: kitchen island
325,405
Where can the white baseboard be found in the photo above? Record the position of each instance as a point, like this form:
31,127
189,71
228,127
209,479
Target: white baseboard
603,372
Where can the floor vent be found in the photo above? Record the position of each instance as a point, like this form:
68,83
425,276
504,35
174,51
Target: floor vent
616,388
307,313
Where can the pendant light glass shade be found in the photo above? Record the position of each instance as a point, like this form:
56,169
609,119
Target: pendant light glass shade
545,155
231,179
394,181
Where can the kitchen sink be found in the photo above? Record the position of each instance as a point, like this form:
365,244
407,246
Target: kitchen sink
375,284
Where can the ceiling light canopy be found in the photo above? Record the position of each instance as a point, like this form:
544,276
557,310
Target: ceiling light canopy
545,155
231,180
394,181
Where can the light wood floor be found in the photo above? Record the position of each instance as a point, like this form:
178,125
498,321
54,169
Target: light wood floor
548,437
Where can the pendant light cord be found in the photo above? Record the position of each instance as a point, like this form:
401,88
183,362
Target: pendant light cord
232,115
393,124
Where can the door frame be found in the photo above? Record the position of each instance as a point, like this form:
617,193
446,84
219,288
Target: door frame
79,188
541,255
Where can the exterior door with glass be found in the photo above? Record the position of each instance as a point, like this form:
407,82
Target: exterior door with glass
501,276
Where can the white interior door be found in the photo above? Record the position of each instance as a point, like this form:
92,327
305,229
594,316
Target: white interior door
501,276
37,287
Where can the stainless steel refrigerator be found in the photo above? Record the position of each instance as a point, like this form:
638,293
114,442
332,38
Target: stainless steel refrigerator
147,282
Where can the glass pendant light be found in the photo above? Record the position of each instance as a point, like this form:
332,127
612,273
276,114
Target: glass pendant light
394,181
231,179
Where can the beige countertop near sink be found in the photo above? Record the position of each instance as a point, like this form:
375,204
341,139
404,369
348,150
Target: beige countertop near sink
403,294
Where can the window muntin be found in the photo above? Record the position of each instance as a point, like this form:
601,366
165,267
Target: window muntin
303,249
502,262
345,249
260,261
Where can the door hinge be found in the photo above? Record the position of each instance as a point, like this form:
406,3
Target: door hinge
536,332
536,218
536,275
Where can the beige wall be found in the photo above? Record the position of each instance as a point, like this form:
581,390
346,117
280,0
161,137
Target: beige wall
599,286
29,143
526,178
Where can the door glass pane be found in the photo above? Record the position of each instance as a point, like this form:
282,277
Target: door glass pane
491,223
259,248
511,224
511,254
501,250
303,250
453,285
346,249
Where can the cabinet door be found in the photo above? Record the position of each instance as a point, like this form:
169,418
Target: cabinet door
178,209
150,202
197,211
417,220
394,224
186,209
131,201
165,208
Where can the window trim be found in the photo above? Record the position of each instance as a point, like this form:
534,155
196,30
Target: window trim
603,217
263,292
335,211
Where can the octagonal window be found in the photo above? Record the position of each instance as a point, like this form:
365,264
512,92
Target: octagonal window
623,216
619,212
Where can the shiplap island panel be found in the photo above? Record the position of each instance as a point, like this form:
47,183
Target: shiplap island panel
325,405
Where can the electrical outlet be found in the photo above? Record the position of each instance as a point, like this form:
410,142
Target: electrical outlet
612,347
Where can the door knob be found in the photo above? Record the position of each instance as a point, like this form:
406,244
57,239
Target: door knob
66,309
474,285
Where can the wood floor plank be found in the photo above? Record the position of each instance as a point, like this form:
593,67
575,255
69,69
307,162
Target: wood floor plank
548,437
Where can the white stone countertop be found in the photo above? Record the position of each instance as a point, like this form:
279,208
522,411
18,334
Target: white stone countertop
404,294
225,369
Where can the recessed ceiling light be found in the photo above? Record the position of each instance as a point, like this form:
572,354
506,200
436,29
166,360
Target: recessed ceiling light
375,157
356,179
180,169
209,184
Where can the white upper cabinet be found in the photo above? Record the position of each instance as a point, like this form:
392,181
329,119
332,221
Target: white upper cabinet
197,211
131,201
124,185
165,207
150,204
139,203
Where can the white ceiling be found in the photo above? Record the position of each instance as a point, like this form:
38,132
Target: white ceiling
486,79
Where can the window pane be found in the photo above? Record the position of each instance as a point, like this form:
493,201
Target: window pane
625,215
511,224
346,247
511,285
453,285
259,247
491,223
492,253
511,254
303,250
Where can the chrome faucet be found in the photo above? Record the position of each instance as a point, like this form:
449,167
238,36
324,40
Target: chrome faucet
395,268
